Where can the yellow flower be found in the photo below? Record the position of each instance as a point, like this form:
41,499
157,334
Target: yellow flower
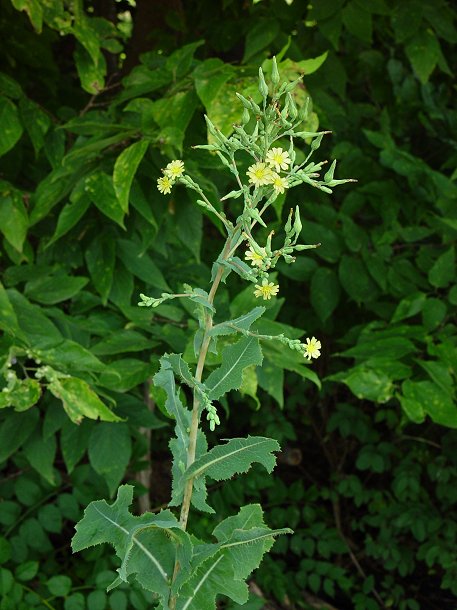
164,185
259,174
174,169
255,258
278,159
278,183
266,290
312,348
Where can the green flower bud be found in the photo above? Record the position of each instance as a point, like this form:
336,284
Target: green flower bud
317,142
288,225
263,87
246,116
304,110
246,103
274,73
297,223
329,175
293,112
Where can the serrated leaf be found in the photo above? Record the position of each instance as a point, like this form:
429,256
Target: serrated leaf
124,171
235,358
236,456
147,545
243,322
222,462
223,567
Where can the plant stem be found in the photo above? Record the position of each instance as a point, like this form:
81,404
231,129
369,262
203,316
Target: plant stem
185,507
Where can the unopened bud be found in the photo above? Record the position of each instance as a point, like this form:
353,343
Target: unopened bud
274,73
263,87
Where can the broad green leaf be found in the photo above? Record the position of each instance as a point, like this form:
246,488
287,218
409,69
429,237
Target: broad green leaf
420,398
87,36
355,279
271,379
324,292
79,400
125,374
358,21
41,454
289,360
52,289
189,226
124,171
101,257
15,430
36,122
433,313
13,216
92,75
99,187
249,384
10,87
443,270
423,52
406,19
22,396
235,358
60,585
147,545
8,318
367,383
173,115
141,264
69,216
74,441
387,347
52,189
122,341
33,323
70,356
260,36
34,10
180,61
305,66
11,125
409,306
110,449
209,77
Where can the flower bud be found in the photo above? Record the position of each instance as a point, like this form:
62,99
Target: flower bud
263,87
293,112
274,73
246,116
297,223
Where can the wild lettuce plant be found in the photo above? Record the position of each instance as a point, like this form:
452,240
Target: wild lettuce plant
184,572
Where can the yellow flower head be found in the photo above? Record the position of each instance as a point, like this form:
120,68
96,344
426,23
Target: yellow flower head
259,174
164,185
266,290
255,258
278,159
312,348
174,169
278,183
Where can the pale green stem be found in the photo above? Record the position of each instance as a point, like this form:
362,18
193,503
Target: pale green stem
185,507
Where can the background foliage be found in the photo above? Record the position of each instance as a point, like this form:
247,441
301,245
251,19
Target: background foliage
95,98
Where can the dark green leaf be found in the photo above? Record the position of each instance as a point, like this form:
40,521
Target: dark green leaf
124,171
11,125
